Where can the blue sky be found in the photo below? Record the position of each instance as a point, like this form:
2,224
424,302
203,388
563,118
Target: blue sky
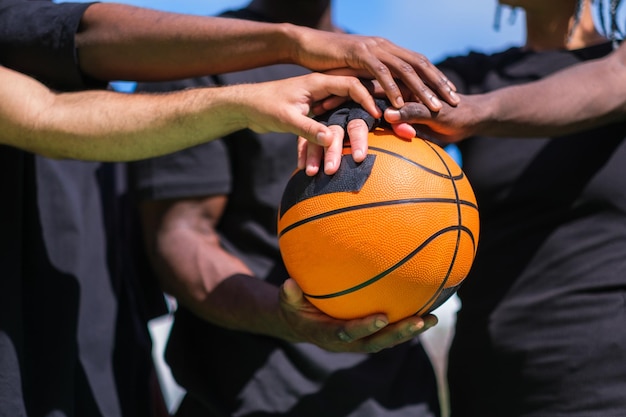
436,28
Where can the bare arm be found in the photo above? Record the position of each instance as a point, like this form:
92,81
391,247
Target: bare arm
109,126
580,97
192,266
118,41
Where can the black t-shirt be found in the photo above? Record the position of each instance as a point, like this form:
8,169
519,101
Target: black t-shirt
239,374
37,38
541,331
72,342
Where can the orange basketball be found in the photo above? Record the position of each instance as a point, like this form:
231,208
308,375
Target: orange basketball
395,234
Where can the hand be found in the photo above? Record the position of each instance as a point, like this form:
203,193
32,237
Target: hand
449,125
381,59
368,335
284,106
348,117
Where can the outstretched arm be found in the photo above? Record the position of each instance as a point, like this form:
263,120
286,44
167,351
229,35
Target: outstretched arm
109,126
577,98
118,41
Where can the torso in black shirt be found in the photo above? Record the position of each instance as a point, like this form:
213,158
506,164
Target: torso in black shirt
541,329
72,340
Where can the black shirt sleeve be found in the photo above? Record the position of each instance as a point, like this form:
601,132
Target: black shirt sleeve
37,38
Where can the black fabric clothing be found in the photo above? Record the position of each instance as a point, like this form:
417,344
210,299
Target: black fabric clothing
37,38
541,328
72,341
230,373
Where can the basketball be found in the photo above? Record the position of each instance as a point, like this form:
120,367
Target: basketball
394,234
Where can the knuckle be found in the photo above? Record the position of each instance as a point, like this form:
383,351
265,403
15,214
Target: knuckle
424,90
379,41
354,82
370,41
355,125
422,61
381,68
316,76
406,68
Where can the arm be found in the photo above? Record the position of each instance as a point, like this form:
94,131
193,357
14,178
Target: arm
109,126
577,98
191,265
124,42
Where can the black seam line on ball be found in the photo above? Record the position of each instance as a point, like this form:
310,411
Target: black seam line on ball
392,268
425,168
371,205
436,294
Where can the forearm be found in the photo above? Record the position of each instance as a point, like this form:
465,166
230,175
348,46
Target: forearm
214,284
575,99
124,42
108,126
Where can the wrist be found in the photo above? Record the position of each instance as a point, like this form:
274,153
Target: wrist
290,43
233,109
484,115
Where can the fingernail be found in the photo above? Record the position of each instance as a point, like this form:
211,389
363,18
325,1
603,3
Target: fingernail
416,327
344,336
454,96
392,115
311,170
430,323
321,138
358,154
380,323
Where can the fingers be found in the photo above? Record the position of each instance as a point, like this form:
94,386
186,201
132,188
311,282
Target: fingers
314,155
358,132
399,332
358,329
310,154
386,81
347,86
302,150
291,293
404,130
329,141
374,333
409,113
426,81
419,75
368,334
332,153
328,104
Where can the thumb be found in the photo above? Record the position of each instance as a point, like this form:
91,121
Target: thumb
409,113
313,131
291,292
